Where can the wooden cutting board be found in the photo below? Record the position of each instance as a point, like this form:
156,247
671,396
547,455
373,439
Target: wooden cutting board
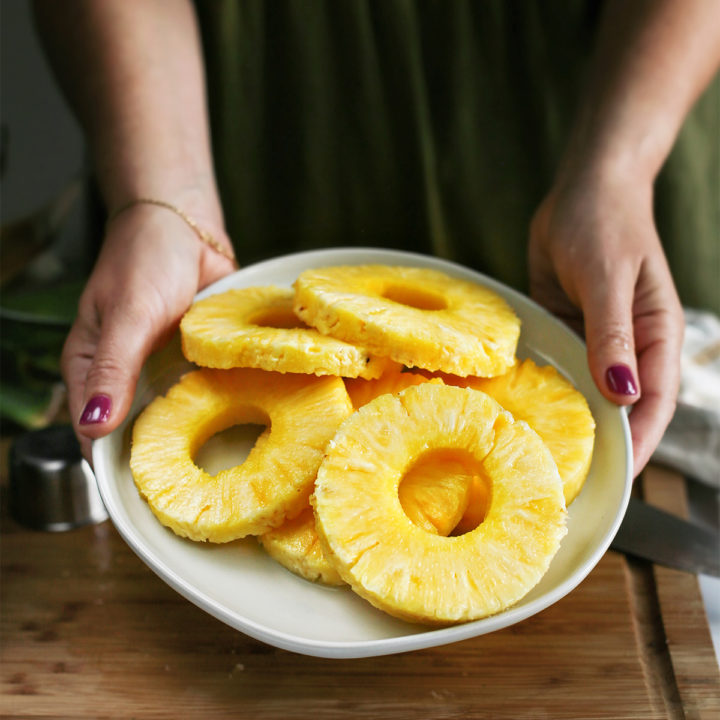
88,631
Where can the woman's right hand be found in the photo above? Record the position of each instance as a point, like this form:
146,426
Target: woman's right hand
150,267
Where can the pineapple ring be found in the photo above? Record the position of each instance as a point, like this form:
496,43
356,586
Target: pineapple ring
273,483
552,407
416,575
255,327
418,317
434,495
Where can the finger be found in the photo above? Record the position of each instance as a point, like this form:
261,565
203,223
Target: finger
648,420
607,309
659,343
126,339
75,361
658,365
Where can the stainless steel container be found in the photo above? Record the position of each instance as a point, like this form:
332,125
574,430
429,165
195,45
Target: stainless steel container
52,487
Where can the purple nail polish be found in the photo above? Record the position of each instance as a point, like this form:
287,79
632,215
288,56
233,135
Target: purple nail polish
620,380
97,410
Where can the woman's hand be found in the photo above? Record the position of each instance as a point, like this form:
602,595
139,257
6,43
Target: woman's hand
150,267
596,261
595,255
133,73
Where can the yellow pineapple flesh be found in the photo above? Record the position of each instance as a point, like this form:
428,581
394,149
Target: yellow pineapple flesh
478,502
419,575
302,413
255,327
437,504
417,317
393,380
552,407
434,493
295,545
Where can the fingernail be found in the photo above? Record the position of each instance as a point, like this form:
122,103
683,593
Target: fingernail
97,410
620,380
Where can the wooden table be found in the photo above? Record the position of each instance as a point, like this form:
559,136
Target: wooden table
88,631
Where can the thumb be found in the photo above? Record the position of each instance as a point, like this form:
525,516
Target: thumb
607,309
124,344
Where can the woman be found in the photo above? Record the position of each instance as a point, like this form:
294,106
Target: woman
397,122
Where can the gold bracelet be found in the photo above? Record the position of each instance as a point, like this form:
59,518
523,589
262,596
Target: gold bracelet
202,234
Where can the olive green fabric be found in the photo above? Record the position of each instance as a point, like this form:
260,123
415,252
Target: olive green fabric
432,126
687,205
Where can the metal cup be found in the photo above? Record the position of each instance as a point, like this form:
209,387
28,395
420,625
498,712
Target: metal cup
52,487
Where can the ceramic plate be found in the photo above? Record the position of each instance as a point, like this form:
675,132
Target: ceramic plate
239,584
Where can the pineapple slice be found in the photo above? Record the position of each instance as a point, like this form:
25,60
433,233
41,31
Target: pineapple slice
295,545
303,413
552,407
418,317
425,577
256,327
434,494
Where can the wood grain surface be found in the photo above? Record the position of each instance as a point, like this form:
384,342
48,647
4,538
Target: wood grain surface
88,631
681,608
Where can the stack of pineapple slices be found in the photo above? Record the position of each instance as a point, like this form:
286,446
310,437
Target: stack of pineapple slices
407,452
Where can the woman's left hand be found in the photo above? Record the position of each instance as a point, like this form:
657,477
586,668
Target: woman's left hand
596,262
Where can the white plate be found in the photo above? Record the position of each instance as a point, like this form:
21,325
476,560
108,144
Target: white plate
239,584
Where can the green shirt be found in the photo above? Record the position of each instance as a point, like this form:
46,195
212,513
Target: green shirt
433,126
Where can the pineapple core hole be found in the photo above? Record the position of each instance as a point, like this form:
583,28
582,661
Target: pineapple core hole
278,318
478,505
228,448
414,297
445,492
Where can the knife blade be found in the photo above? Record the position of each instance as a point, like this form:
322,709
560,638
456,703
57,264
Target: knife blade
665,539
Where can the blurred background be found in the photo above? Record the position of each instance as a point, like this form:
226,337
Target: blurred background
49,226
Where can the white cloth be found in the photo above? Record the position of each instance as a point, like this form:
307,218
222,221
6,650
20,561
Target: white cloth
691,443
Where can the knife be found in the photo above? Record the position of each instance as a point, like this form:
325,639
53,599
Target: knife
665,539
